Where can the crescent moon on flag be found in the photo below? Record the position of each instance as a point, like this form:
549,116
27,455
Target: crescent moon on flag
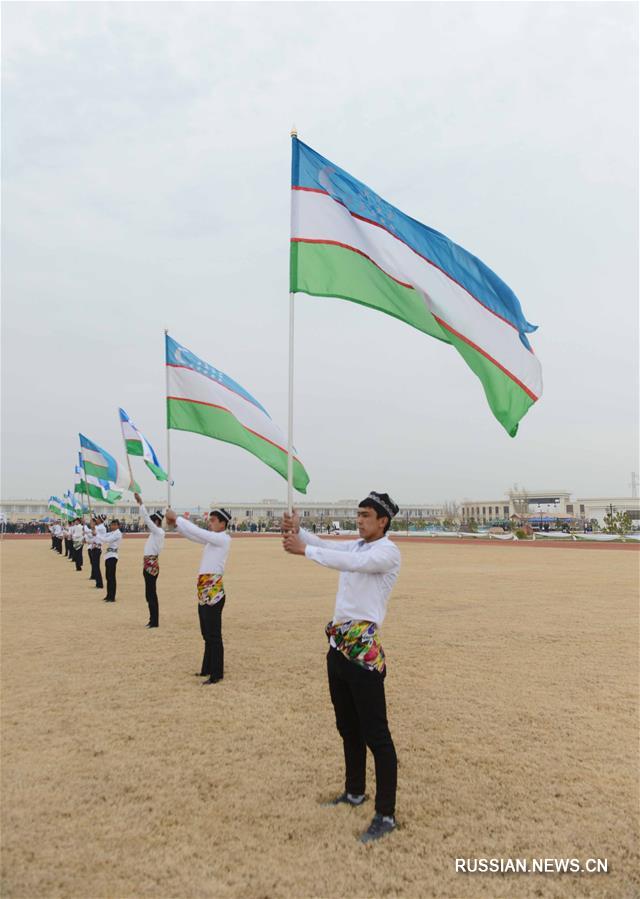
178,356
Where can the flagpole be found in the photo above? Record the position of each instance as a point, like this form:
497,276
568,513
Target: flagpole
166,401
290,438
86,484
126,454
293,135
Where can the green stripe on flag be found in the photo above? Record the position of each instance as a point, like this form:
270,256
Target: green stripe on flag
159,473
329,271
134,447
184,415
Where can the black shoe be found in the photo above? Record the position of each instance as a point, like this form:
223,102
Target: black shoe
380,826
212,680
346,799
200,674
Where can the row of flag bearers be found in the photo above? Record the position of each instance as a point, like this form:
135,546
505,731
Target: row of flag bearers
356,664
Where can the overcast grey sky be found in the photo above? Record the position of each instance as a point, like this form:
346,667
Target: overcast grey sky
146,167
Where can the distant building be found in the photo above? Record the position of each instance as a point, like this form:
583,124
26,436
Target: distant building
271,510
597,507
546,503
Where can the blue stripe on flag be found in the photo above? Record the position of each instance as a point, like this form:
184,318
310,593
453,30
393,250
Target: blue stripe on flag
312,171
179,355
110,462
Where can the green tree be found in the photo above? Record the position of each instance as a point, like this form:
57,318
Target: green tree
617,523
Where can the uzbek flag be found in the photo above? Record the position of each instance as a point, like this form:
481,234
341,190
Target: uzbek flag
204,400
88,485
55,506
100,464
137,445
348,242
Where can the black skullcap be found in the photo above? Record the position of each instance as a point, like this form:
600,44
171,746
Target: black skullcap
383,503
223,512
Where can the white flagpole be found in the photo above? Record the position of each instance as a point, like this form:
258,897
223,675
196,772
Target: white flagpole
294,134
290,439
166,403
126,454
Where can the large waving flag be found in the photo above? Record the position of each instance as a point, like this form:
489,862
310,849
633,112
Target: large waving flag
205,400
137,445
100,464
348,242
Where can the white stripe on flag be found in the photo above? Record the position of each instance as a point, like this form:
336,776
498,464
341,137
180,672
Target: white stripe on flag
318,217
189,385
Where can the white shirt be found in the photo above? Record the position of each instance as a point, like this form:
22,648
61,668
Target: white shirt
98,532
155,540
368,573
112,541
57,530
216,546
77,533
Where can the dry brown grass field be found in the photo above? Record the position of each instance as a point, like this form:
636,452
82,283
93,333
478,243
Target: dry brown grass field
512,701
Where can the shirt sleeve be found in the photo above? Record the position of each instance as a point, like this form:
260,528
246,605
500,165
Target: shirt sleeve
377,560
310,539
109,537
153,527
192,532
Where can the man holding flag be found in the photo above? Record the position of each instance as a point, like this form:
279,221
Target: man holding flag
150,559
356,664
210,587
112,541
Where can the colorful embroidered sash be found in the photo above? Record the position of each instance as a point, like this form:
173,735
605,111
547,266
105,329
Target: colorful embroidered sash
151,565
359,642
210,589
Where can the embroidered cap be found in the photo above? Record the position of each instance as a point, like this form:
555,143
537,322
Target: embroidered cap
223,512
383,503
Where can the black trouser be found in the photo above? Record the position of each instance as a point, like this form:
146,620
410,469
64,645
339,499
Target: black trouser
211,630
151,595
53,542
67,546
358,698
110,575
59,545
90,553
97,552
77,557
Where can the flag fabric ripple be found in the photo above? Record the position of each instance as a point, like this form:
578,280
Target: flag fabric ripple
206,401
100,464
347,242
137,445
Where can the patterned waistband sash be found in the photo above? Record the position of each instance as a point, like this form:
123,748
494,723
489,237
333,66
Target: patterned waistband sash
151,565
359,642
210,589
77,544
